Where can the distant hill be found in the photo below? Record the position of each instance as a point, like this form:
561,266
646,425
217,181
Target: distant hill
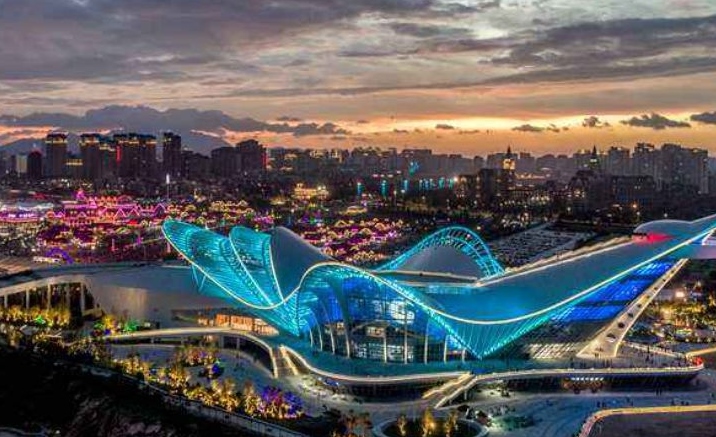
195,141
185,122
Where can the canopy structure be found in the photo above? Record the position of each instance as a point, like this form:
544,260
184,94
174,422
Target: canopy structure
447,295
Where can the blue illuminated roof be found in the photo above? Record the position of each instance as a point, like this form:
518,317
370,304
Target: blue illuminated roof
293,286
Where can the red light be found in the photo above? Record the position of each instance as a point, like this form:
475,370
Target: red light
652,238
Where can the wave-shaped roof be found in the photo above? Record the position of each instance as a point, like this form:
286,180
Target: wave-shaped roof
293,256
292,285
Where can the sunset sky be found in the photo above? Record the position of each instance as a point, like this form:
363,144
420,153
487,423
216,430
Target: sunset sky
462,76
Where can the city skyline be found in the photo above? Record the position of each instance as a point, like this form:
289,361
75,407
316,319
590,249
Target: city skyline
572,135
468,77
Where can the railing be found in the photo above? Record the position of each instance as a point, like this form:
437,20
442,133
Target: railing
541,373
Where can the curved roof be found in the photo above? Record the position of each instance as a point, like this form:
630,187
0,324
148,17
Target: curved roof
292,257
454,249
292,285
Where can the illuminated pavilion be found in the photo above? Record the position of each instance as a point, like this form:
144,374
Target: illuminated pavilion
446,298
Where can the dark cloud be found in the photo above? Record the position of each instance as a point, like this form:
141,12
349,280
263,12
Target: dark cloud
704,117
298,63
553,128
158,39
305,129
654,121
146,119
288,118
454,9
594,122
539,129
612,48
443,126
437,45
528,128
613,40
401,131
428,30
179,50
362,121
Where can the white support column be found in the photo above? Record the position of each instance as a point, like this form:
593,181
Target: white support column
348,340
445,349
27,299
49,296
4,301
320,334
333,338
405,333
427,342
385,345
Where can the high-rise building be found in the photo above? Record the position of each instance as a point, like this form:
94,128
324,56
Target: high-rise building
495,185
34,165
226,162
107,159
681,167
697,169
195,166
526,163
56,154
253,156
171,154
248,157
617,162
3,163
646,161
75,168
136,155
90,154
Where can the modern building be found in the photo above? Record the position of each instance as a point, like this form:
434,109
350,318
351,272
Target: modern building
74,167
136,155
246,158
495,185
432,314
34,165
446,298
56,154
617,162
90,154
172,154
253,156
225,162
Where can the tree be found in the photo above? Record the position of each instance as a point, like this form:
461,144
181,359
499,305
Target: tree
427,423
402,424
450,423
249,399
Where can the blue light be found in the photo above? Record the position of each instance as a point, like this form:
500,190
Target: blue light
331,299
